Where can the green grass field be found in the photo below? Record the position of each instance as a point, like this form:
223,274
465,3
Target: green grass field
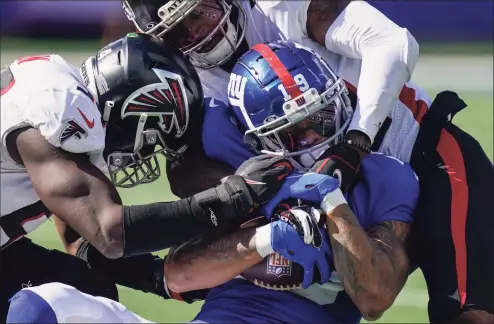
410,307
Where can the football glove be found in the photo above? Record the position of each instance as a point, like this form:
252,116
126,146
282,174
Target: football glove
340,161
264,175
309,187
279,236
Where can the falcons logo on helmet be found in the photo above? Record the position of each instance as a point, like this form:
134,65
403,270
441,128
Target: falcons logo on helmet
72,129
166,100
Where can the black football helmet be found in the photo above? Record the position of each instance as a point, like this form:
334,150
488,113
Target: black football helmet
208,31
149,95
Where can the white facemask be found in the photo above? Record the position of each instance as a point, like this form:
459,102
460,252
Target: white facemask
221,51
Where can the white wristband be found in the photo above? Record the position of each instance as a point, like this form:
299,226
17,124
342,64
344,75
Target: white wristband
333,200
263,241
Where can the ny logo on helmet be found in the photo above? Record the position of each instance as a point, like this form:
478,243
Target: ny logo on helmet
166,100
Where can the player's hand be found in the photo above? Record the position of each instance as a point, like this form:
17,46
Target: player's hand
310,187
287,241
340,161
305,219
264,175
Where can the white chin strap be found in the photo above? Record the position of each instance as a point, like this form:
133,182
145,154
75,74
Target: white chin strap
307,159
221,51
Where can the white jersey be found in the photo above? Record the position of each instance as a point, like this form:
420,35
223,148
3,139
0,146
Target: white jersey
286,20
47,93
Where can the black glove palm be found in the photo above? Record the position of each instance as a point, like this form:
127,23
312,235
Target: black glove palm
264,175
340,161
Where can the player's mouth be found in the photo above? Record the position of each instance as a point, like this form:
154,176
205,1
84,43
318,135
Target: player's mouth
308,143
211,44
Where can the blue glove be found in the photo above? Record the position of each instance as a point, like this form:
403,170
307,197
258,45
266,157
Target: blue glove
288,243
312,187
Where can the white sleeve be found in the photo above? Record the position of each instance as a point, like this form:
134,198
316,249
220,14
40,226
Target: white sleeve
67,119
388,53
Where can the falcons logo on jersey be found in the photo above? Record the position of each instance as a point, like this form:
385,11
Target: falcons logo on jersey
72,129
166,100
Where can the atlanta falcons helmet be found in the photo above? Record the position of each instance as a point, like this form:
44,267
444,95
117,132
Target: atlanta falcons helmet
208,31
149,96
289,101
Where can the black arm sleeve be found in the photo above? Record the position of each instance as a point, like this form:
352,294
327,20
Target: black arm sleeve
154,227
141,272
158,226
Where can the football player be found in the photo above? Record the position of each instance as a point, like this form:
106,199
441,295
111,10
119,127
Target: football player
215,33
60,303
375,56
62,127
368,228
383,200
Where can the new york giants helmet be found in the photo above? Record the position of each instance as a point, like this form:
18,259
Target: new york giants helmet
288,101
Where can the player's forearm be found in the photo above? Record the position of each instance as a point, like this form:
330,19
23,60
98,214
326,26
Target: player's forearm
71,240
388,53
383,75
209,263
371,274
179,221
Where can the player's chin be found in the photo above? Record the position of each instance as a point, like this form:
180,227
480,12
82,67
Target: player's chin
278,273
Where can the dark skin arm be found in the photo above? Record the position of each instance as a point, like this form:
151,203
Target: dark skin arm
372,266
70,239
72,188
195,172
320,16
473,316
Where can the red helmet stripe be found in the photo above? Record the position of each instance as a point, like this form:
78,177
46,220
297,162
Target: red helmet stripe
179,99
280,70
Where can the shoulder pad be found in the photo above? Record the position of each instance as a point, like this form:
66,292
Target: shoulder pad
67,118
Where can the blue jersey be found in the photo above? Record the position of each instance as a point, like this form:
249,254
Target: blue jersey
221,138
388,191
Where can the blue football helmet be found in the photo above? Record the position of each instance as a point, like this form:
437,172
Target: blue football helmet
289,102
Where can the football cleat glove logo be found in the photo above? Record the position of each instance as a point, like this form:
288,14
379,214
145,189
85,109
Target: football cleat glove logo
72,129
166,100
338,175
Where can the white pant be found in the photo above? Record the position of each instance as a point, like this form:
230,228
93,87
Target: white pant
72,306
